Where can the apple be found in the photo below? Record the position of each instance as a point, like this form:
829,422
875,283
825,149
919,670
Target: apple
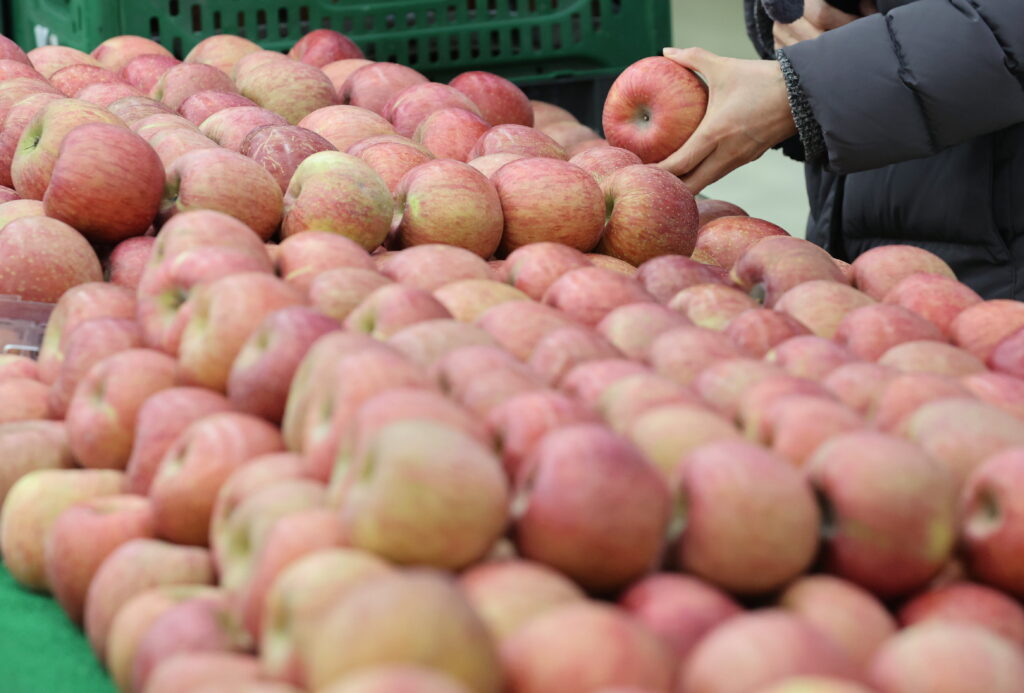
197,670
990,521
230,126
682,353
545,113
18,209
602,161
724,481
451,133
947,658
383,679
41,258
49,59
224,314
392,307
773,644
653,107
23,399
489,165
724,384
560,350
936,298
821,304
667,434
573,137
30,445
322,46
599,551
281,148
774,264
968,603
533,268
801,423
450,202
203,104
854,476
391,156
624,400
260,473
337,292
223,51
185,79
872,330
440,631
107,182
288,87
345,126
632,328
224,181
589,294
197,464
9,195
809,356
499,100
83,536
253,60
372,86
858,384
399,479
16,366
723,241
409,107
714,209
305,256
711,305
880,269
980,328
902,395
431,266
517,139
666,276
14,69
427,342
759,330
20,114
338,71
14,90
88,344
850,616
759,404
128,260
170,144
148,126
517,326
72,79
102,412
144,71
160,420
9,50
118,51
41,139
32,506
486,392
300,597
680,609
106,93
262,372
999,389
468,299
340,193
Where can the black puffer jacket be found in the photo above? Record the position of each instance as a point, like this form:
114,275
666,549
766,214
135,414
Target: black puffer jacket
921,112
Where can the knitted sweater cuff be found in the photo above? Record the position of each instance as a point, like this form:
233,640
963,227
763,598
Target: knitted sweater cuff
807,125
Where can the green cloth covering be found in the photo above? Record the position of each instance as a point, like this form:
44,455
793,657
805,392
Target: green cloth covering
41,651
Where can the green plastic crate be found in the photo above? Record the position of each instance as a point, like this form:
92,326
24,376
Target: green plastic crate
525,40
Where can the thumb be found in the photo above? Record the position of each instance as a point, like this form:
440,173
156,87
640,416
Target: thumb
685,159
696,59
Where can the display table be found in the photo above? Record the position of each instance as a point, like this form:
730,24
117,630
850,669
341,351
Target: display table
40,649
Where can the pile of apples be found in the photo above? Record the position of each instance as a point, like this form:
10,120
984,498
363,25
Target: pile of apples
350,414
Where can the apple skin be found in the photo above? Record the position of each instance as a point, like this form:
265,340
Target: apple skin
14,90
555,491
128,260
821,304
538,658
775,264
337,292
16,366
225,313
904,394
711,305
774,646
856,621
346,126
117,51
203,104
288,87
409,107
723,241
809,356
601,162
77,305
144,71
682,353
666,276
230,126
195,671
468,299
23,399
340,193
392,157
589,294
222,51
88,344
170,144
338,71
929,356
31,508
999,389
107,182
451,133
73,79
853,473
936,298
666,434
9,50
160,420
713,209
14,69
724,384
395,678
449,202
281,148
40,142
947,658
322,46
980,328
653,107
680,609
431,266
18,117
858,385
880,269
499,100
260,473
969,603
759,330
561,350
872,330
632,328
106,93
262,372
81,539
533,268
801,423
758,406
8,194
490,164
19,209
185,79
517,139
724,481
391,308
49,59
573,137
305,256
427,342
373,85
652,213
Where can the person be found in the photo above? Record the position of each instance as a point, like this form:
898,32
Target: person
909,116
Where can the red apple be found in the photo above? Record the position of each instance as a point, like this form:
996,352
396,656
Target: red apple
88,344
281,148
429,267
340,70
41,258
968,603
345,126
410,106
118,51
858,385
203,104
451,133
203,670
711,305
304,256
758,406
144,71
632,328
336,293
230,126
870,331
468,299
724,240
427,342
16,366
500,101
653,107
980,328
880,269
601,162
667,434
128,260
573,137
288,87
392,158
74,78
186,79
106,93
517,139
14,69
809,356
683,352
665,276
322,46
724,384
533,268
223,51
759,330
560,350
49,59
489,165
373,85
19,115
821,304
9,50
589,294
934,297
23,399
990,521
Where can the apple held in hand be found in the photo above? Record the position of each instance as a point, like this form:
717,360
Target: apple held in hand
653,108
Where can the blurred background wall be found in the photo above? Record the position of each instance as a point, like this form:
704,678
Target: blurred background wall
772,187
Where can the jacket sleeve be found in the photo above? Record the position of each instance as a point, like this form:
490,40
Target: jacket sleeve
906,84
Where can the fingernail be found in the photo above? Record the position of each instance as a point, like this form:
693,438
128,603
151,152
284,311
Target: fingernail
670,51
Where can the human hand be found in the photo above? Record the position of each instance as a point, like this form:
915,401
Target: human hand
819,17
748,113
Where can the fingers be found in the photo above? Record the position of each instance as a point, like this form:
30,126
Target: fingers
695,150
697,59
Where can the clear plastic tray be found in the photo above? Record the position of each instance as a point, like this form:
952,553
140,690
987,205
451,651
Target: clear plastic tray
22,324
